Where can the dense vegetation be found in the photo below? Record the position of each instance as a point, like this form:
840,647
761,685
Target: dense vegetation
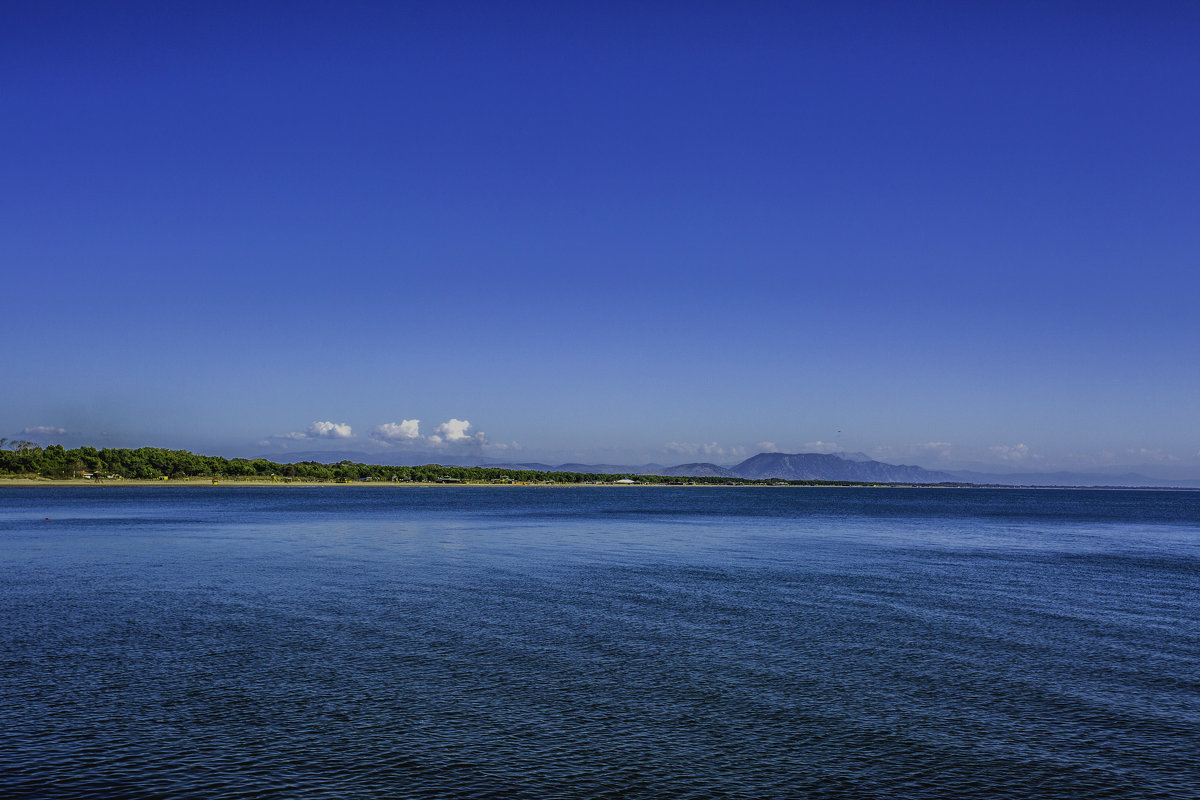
26,459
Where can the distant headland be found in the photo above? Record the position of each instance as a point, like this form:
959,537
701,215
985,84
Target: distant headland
26,461
29,461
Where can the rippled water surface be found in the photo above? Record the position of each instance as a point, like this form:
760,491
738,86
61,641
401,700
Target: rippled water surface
598,642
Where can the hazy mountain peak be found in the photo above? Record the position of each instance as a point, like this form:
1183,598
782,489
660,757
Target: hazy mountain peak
833,467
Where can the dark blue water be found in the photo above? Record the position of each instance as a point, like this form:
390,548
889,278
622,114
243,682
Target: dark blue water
599,642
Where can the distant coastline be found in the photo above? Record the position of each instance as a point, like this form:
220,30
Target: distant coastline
266,483
32,465
201,483
28,464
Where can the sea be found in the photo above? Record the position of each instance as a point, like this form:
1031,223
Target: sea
598,642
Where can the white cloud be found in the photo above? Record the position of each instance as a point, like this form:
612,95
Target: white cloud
451,433
1151,454
408,430
821,447
939,449
330,430
1015,452
767,447
320,430
453,430
44,430
709,449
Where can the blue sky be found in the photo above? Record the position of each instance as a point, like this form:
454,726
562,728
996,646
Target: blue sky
935,233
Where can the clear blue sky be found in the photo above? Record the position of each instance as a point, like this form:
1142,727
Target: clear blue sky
936,233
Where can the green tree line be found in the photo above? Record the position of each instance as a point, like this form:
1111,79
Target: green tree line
26,459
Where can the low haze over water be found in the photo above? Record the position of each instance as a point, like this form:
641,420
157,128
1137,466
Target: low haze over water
599,642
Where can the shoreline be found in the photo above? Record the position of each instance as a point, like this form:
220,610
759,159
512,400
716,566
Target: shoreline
133,482
12,483
259,482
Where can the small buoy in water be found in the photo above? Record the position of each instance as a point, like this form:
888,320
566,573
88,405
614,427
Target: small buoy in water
47,519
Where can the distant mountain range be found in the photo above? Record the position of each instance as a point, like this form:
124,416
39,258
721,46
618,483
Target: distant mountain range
834,467
781,466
